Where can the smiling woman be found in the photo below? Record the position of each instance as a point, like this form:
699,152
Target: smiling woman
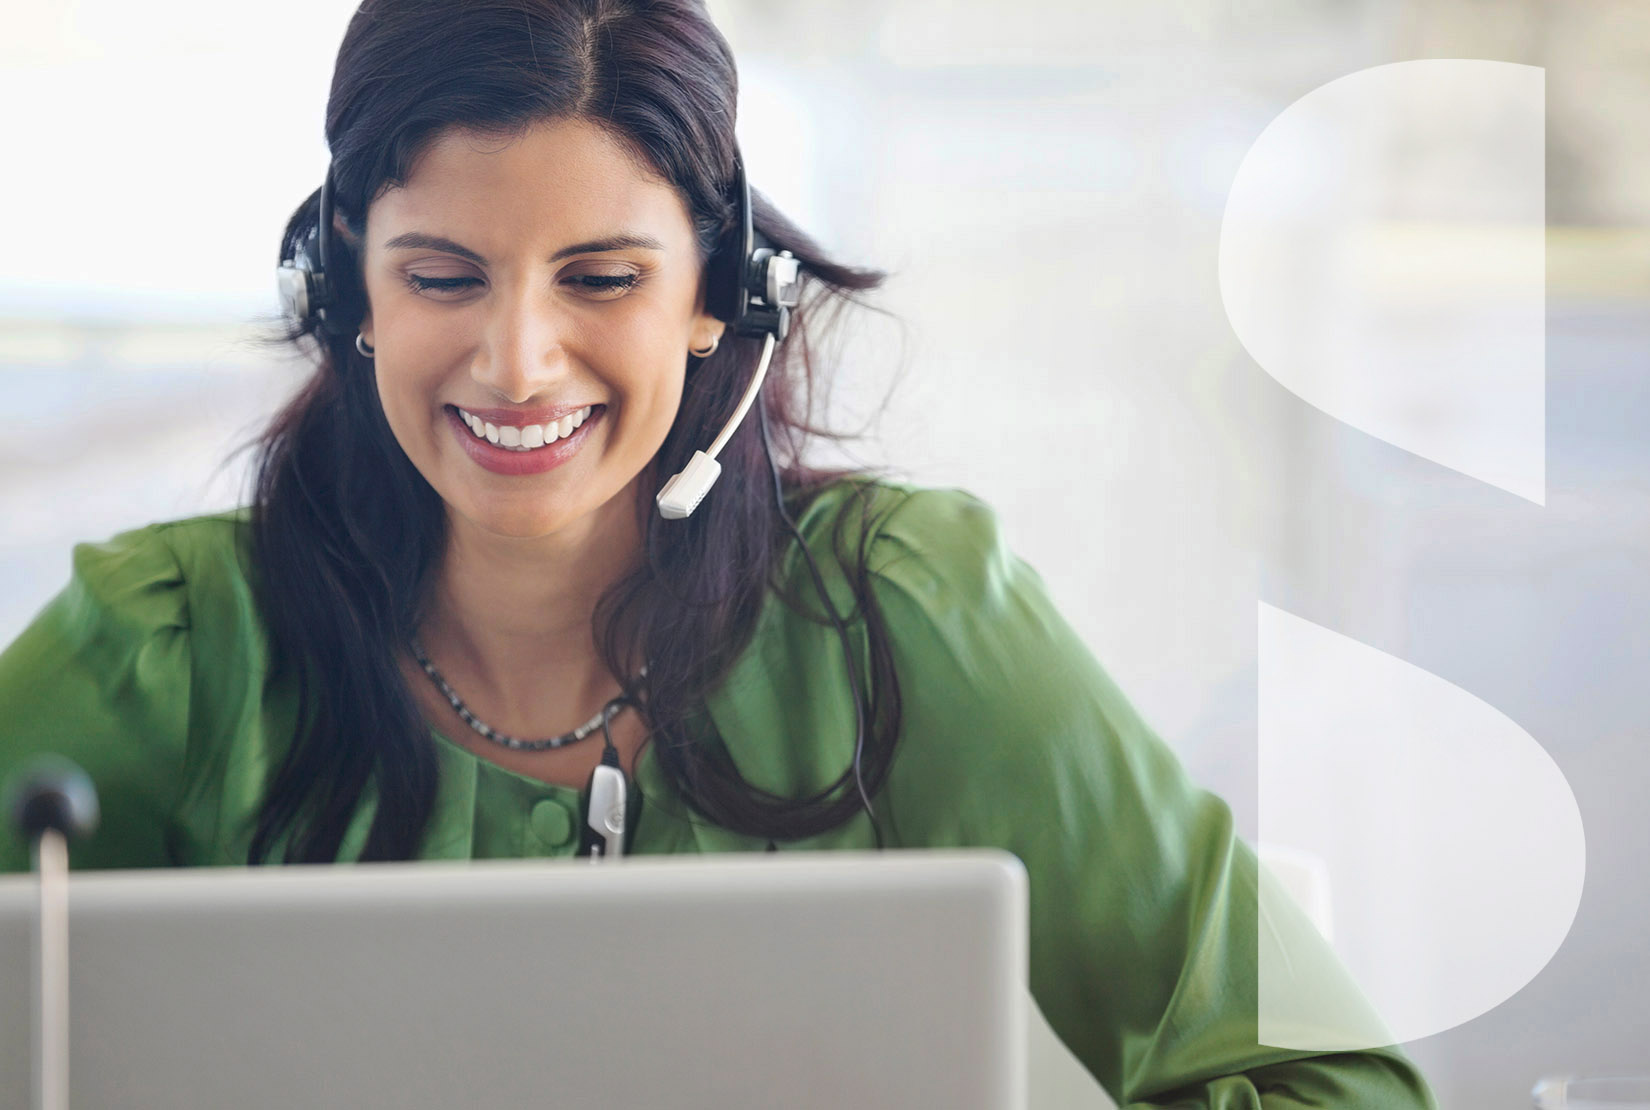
501,390
534,285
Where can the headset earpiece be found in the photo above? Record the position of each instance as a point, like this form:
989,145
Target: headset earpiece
305,288
749,285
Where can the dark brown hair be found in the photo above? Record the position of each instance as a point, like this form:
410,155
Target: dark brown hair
346,529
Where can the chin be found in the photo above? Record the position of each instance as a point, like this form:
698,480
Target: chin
532,517
526,524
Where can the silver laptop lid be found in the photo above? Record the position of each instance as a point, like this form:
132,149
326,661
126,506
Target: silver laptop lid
807,980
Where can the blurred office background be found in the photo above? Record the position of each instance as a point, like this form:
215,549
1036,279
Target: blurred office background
1046,184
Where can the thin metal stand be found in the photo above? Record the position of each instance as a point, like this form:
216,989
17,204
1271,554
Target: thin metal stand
48,802
51,974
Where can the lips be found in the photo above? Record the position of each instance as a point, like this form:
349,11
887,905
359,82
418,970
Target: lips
525,437
521,418
503,460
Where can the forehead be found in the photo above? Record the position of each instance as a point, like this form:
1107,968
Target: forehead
559,179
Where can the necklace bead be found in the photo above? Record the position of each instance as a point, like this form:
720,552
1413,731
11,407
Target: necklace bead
602,716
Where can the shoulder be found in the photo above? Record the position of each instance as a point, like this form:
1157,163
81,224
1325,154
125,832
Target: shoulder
169,611
137,656
895,508
922,572
213,558
998,694
864,537
931,542
937,564
197,543
143,578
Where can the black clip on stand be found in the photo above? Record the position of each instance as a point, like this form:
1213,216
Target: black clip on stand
50,802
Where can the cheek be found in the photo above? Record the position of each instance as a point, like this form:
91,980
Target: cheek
649,402
670,401
641,353
393,400
407,395
415,350
653,396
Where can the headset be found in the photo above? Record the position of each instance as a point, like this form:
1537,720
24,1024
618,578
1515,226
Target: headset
750,286
753,288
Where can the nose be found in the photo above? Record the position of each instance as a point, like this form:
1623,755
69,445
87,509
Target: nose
523,348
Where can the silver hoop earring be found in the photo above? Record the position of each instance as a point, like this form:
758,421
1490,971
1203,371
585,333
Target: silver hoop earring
361,345
708,351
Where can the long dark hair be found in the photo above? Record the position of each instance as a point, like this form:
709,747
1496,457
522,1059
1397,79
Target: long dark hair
346,530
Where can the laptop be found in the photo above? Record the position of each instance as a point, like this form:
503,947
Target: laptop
764,980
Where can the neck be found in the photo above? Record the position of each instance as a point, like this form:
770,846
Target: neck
512,618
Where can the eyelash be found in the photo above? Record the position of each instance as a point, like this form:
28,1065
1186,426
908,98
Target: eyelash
595,283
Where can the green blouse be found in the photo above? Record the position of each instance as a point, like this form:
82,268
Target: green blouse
149,670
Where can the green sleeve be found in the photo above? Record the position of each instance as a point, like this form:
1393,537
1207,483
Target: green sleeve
102,676
1142,900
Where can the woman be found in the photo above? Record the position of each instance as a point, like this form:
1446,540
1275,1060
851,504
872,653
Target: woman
454,596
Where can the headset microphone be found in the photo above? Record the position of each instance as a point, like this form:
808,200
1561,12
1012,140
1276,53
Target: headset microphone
753,288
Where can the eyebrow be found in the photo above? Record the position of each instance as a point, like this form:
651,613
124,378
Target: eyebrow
416,240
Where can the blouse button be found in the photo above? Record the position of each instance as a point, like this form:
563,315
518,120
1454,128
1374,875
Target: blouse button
551,823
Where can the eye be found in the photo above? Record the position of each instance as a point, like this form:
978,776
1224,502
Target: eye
420,284
602,285
607,285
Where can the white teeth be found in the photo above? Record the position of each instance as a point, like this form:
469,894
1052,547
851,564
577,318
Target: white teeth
527,438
